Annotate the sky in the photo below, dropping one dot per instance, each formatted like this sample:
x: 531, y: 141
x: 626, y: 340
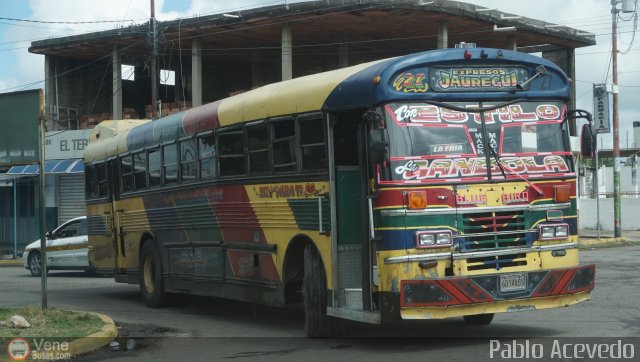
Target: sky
x: 22, y: 70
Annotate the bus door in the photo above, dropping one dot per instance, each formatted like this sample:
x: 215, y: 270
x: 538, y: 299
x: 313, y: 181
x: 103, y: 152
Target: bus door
x: 352, y: 289
x: 116, y: 215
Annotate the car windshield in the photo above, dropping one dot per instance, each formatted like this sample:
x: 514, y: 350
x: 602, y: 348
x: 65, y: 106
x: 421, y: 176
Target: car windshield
x: 434, y: 143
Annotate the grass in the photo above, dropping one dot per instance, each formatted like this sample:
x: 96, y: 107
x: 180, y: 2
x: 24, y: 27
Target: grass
x: 64, y: 325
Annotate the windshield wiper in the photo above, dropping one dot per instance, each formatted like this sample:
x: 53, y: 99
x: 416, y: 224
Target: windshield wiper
x: 512, y: 172
x: 495, y: 157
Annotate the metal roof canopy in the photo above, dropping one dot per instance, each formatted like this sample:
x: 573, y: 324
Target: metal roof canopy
x: 368, y: 26
x: 71, y: 165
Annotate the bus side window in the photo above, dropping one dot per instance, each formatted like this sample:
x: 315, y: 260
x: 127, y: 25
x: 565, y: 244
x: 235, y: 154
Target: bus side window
x: 231, y: 153
x: 103, y: 181
x: 312, y: 144
x: 140, y: 170
x: 154, y: 168
x: 188, y: 169
x: 283, y: 145
x: 258, y: 146
x: 91, y: 182
x: 126, y: 172
x: 207, y: 159
x: 170, y: 163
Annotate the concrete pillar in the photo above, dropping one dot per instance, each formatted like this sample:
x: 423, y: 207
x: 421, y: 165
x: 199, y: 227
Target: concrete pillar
x: 177, y: 89
x: 255, y: 70
x: 443, y: 36
x: 117, y: 85
x: 196, y: 72
x: 343, y: 55
x: 287, y: 53
x: 512, y: 43
x: 49, y: 90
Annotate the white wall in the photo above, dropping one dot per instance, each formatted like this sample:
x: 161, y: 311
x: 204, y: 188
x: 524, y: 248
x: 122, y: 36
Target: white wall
x: 626, y: 184
x: 587, y: 213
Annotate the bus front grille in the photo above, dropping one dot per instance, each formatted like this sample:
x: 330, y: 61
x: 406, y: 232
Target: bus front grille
x: 496, y: 262
x: 493, y: 230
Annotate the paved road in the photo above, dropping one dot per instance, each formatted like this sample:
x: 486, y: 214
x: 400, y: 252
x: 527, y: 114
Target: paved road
x: 215, y: 329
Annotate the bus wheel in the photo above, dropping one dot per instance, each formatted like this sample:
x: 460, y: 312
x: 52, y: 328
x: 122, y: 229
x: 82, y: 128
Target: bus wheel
x: 314, y: 291
x: 151, y: 280
x: 479, y: 319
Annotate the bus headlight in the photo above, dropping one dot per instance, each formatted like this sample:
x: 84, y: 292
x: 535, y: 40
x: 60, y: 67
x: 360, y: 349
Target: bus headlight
x: 556, y: 231
x: 547, y: 232
x: 562, y: 231
x: 425, y: 239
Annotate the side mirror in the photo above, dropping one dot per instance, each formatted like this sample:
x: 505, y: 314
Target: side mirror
x: 49, y: 235
x: 377, y: 143
x: 588, y: 141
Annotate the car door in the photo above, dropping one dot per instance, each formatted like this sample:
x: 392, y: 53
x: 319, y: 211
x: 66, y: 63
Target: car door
x: 66, y: 239
x: 80, y: 250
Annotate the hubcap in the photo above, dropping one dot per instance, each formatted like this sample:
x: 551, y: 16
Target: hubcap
x: 35, y: 263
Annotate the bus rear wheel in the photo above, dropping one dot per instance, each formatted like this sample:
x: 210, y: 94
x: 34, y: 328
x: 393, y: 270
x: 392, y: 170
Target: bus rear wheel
x: 151, y: 279
x: 314, y: 291
x: 479, y: 319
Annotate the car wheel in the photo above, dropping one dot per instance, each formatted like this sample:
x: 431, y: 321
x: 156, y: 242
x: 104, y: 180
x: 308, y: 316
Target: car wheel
x: 479, y: 319
x: 35, y: 263
x: 151, y: 279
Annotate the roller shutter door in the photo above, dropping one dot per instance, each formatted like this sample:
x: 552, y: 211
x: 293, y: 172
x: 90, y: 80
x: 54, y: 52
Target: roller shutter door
x: 70, y: 197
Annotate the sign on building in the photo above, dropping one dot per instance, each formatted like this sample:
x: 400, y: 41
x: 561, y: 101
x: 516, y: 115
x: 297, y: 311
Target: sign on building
x: 19, y: 120
x: 66, y: 144
x: 601, y: 108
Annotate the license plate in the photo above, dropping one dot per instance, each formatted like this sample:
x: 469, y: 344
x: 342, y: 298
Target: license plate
x: 513, y: 282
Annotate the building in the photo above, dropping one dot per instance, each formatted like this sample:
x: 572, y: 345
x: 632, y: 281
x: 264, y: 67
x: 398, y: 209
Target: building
x: 106, y: 75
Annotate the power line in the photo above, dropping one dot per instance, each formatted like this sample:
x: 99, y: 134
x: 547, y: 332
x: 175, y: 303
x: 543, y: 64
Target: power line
x: 68, y: 22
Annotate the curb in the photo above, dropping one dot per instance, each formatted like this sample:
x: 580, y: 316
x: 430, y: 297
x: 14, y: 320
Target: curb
x: 603, y: 241
x: 10, y: 262
x: 90, y: 343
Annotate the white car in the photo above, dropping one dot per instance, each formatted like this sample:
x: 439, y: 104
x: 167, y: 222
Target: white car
x: 66, y: 249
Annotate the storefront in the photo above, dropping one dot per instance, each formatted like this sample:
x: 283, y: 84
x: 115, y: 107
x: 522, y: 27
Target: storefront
x: 64, y: 187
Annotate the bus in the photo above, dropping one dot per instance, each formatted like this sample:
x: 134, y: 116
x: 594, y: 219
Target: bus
x: 433, y: 185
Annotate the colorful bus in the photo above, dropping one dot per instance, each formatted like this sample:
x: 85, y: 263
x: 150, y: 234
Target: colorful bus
x: 433, y: 185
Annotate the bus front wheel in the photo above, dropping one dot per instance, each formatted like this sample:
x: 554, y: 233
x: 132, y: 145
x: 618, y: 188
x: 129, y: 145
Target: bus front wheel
x: 314, y: 291
x: 479, y: 319
x: 151, y: 279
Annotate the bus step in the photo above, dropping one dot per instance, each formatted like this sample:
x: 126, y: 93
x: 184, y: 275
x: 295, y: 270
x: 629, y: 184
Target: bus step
x: 355, y: 314
x: 351, y: 298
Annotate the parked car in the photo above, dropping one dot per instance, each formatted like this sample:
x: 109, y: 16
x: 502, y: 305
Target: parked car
x: 66, y: 249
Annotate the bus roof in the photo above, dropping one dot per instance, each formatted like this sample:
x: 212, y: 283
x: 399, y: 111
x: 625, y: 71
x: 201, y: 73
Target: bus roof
x: 342, y: 89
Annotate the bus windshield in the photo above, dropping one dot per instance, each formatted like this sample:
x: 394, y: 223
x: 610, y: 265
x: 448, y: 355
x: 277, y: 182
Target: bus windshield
x: 430, y: 143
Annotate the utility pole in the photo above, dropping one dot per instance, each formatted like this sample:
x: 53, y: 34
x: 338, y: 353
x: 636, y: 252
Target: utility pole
x: 616, y: 129
x: 41, y: 210
x: 153, y: 32
x: 617, y: 209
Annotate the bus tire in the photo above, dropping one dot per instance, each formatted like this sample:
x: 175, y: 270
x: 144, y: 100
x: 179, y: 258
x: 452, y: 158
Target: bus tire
x: 314, y: 291
x: 151, y: 279
x: 479, y: 319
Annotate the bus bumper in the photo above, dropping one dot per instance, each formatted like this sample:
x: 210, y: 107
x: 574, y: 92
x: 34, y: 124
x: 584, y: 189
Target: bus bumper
x: 496, y: 293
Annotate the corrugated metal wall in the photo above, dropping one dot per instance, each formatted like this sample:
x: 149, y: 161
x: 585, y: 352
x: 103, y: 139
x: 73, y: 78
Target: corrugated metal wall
x: 70, y: 197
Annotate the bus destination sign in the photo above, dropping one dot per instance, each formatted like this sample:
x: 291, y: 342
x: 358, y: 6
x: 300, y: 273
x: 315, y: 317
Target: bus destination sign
x: 467, y: 79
